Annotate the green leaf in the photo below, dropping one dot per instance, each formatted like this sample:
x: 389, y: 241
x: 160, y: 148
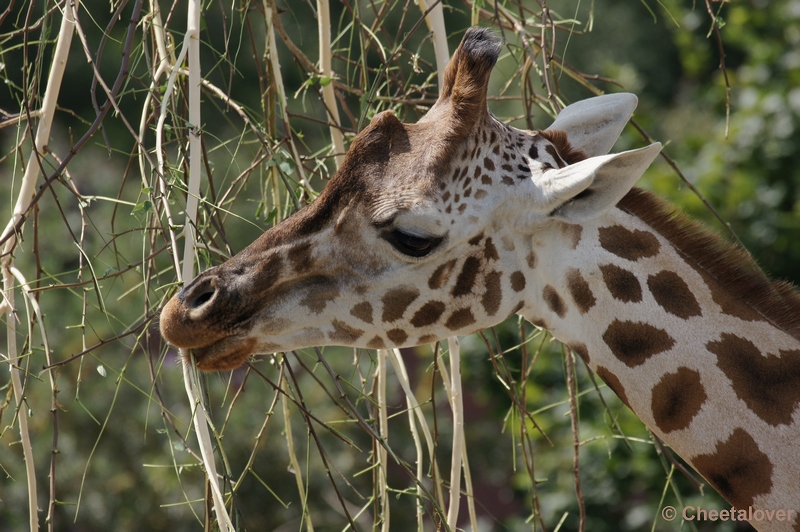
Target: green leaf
x: 145, y: 206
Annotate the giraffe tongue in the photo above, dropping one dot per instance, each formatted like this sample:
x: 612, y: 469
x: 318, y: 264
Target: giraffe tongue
x: 223, y: 355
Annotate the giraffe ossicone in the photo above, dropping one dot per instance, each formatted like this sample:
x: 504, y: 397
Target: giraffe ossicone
x: 452, y: 224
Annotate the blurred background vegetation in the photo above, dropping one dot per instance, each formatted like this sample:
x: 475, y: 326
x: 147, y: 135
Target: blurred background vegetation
x: 112, y: 437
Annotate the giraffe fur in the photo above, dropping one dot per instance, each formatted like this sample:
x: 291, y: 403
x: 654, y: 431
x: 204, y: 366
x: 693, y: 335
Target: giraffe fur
x: 450, y: 225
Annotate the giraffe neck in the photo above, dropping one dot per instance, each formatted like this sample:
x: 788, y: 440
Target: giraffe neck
x: 709, y: 374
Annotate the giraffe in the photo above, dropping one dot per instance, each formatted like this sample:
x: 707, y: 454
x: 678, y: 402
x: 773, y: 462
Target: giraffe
x: 450, y: 225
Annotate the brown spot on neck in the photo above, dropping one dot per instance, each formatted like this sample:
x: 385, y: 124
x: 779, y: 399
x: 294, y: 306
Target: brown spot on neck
x: 517, y: 279
x: 613, y: 383
x: 622, y: 284
x: 673, y: 294
x: 634, y: 342
x: 554, y: 301
x: 737, y: 468
x: 677, y: 398
x: 767, y: 384
x: 581, y: 350
x: 573, y: 233
x: 492, y: 293
x: 630, y: 245
x: 580, y: 291
x: 738, y: 283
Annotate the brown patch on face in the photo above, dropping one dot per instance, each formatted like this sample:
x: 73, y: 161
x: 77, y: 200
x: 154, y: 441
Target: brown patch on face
x: 737, y: 469
x: 489, y: 251
x: 581, y: 350
x: 517, y: 281
x: 677, y: 398
x: 622, y: 284
x: 488, y: 164
x: 475, y: 240
x: 517, y: 307
x: 460, y: 319
x: 398, y: 336
x: 492, y: 294
x: 531, y: 260
x: 580, y: 291
x: 554, y: 301
x: 362, y: 311
x: 613, y: 382
x: 769, y: 385
x: 466, y: 277
x: 572, y: 232
x: 300, y: 257
x: 396, y: 301
x: 428, y: 339
x: 344, y: 333
x: 673, y: 294
x: 634, y: 342
x: 441, y: 275
x: 376, y: 343
x: 480, y: 194
x: 428, y: 314
x: 317, y: 299
x: 630, y: 245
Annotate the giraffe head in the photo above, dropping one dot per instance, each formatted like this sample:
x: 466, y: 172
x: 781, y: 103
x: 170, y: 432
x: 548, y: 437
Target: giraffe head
x: 423, y: 233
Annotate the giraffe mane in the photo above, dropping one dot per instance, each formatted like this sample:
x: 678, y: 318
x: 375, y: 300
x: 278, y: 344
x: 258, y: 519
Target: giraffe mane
x: 731, y: 266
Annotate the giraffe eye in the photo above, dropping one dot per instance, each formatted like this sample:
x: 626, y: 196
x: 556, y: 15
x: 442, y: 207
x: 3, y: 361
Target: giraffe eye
x: 411, y: 245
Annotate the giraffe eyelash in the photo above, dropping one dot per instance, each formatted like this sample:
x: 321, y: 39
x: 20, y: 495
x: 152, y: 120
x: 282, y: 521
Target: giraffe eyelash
x: 411, y: 245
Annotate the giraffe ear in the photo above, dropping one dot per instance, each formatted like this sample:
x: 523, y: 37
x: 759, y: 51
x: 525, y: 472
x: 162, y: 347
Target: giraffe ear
x: 593, y: 125
x: 585, y: 190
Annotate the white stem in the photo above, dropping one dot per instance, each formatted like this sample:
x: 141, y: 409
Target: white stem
x: 415, y: 410
x: 282, y: 102
x: 435, y: 22
x: 190, y: 377
x: 298, y: 475
x: 328, y: 96
x: 45, y: 122
x: 46, y: 116
x: 32, y: 303
x: 22, y: 410
x: 383, y: 425
x: 457, y: 407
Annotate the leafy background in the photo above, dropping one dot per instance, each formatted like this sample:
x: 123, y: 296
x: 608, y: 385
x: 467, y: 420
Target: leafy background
x: 110, y: 423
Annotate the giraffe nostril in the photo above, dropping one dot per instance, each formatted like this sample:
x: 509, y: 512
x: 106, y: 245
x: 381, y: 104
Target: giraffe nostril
x: 202, y: 299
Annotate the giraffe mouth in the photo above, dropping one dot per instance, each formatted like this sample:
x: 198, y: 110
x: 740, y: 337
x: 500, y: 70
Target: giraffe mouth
x: 225, y: 354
